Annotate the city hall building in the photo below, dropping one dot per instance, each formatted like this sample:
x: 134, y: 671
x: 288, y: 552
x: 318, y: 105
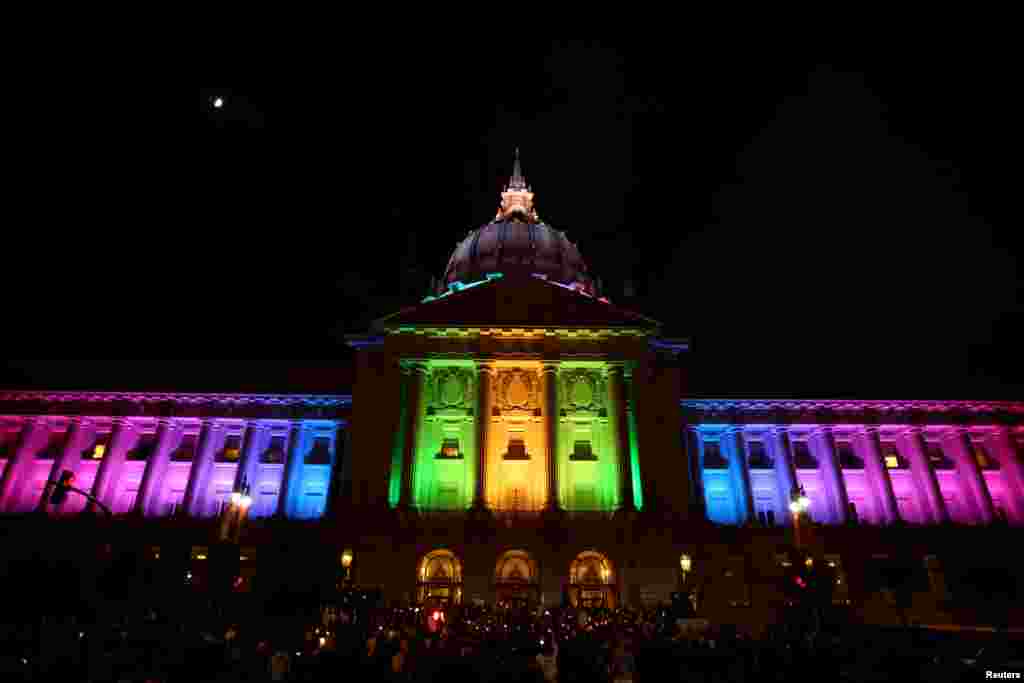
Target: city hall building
x: 516, y: 436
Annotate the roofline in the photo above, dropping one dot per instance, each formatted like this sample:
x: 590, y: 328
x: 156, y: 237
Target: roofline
x: 178, y: 397
x: 903, y: 405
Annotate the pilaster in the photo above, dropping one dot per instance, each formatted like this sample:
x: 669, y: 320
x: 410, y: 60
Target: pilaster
x: 618, y: 399
x: 828, y: 461
x: 417, y: 377
x: 485, y: 373
x: 785, y: 474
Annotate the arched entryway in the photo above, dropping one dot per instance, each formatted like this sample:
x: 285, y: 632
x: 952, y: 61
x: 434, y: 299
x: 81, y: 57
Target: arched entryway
x: 516, y: 579
x: 439, y: 579
x: 592, y: 581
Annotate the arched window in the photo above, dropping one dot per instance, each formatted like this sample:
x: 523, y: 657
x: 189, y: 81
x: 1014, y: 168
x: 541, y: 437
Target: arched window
x: 592, y: 580
x: 439, y: 578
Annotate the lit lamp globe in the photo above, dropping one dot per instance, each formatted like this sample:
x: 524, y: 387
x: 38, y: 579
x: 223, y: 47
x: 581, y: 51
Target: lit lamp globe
x: 236, y: 498
x: 244, y: 502
x: 685, y: 563
x: 346, y: 559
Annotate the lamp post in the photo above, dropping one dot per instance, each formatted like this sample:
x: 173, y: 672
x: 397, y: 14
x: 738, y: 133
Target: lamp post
x: 238, y: 510
x: 798, y: 505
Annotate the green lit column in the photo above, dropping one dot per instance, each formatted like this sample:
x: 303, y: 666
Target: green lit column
x: 551, y: 417
x: 417, y: 374
x: 618, y: 398
x: 485, y: 372
x: 634, y: 448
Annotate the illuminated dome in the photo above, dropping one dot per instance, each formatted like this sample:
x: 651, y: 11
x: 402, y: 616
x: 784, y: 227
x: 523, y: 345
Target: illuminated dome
x: 517, y: 242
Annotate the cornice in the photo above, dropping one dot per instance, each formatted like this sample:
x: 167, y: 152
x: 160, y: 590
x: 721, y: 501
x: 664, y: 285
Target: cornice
x: 853, y: 407
x: 306, y: 400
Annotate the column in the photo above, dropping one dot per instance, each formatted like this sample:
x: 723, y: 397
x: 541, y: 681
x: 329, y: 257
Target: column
x: 619, y: 399
x: 291, y: 480
x: 198, y: 476
x: 153, y: 477
x: 696, y: 473
x: 254, y: 442
x: 924, y: 475
x: 71, y: 445
x: 112, y: 467
x: 785, y: 474
x: 34, y: 431
x: 834, y: 484
x: 739, y: 468
x: 485, y: 372
x: 1012, y: 471
x: 972, y: 482
x: 417, y: 375
x: 881, y: 482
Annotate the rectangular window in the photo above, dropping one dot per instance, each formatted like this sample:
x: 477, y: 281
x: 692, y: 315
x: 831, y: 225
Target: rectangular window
x: 891, y: 456
x: 585, y: 497
x: 275, y: 452
x: 848, y: 459
x: 99, y: 449
x: 516, y: 450
x: 145, y: 447
x: 982, y: 457
x: 759, y: 459
x: 937, y: 457
x: 53, y: 448
x: 200, y: 552
x: 186, y: 450
x: 581, y: 450
x: 802, y: 458
x: 320, y: 454
x: 713, y: 458
x: 232, y: 451
x: 449, y: 450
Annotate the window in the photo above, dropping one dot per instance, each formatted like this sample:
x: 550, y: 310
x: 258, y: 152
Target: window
x: 232, y: 450
x: 892, y: 458
x: 516, y: 450
x: 983, y: 458
x: 848, y: 459
x: 581, y: 450
x: 320, y: 454
x: 274, y: 454
x: 99, y: 449
x: 449, y: 450
x: 144, y: 448
x: 53, y: 448
x: 759, y: 459
x: 713, y: 458
x: 937, y: 457
x: 802, y: 458
x: 186, y: 450
x: 200, y: 552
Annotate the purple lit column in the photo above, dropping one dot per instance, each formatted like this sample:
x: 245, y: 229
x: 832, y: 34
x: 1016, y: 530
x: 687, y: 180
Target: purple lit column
x: 255, y: 439
x: 972, y: 482
x: 199, y: 474
x: 924, y: 475
x: 149, y: 501
x: 881, y: 483
x: 112, y: 467
x: 832, y: 475
x: 739, y: 466
x: 292, y: 478
x: 785, y: 474
x: 73, y: 445
x: 618, y: 400
x: 484, y: 375
x: 34, y: 432
x: 1013, y: 473
x: 415, y: 375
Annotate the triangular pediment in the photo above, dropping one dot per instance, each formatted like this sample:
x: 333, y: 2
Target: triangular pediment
x: 516, y: 302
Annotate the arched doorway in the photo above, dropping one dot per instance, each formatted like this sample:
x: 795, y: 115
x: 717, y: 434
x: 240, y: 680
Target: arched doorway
x: 439, y: 579
x: 516, y: 580
x: 592, y: 581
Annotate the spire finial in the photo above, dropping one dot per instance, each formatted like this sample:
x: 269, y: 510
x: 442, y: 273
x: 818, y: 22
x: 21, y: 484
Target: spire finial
x: 517, y: 197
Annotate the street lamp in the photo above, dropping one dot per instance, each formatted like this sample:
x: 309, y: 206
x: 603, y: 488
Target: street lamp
x: 238, y: 508
x: 798, y: 505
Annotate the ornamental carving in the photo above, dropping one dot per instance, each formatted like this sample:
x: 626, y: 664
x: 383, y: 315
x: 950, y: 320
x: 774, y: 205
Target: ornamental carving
x: 451, y: 388
x: 583, y: 390
x: 516, y: 390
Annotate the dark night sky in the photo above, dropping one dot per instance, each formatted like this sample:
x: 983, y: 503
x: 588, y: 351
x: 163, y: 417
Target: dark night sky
x: 817, y: 229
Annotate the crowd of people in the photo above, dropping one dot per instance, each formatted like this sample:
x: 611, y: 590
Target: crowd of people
x: 420, y: 644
